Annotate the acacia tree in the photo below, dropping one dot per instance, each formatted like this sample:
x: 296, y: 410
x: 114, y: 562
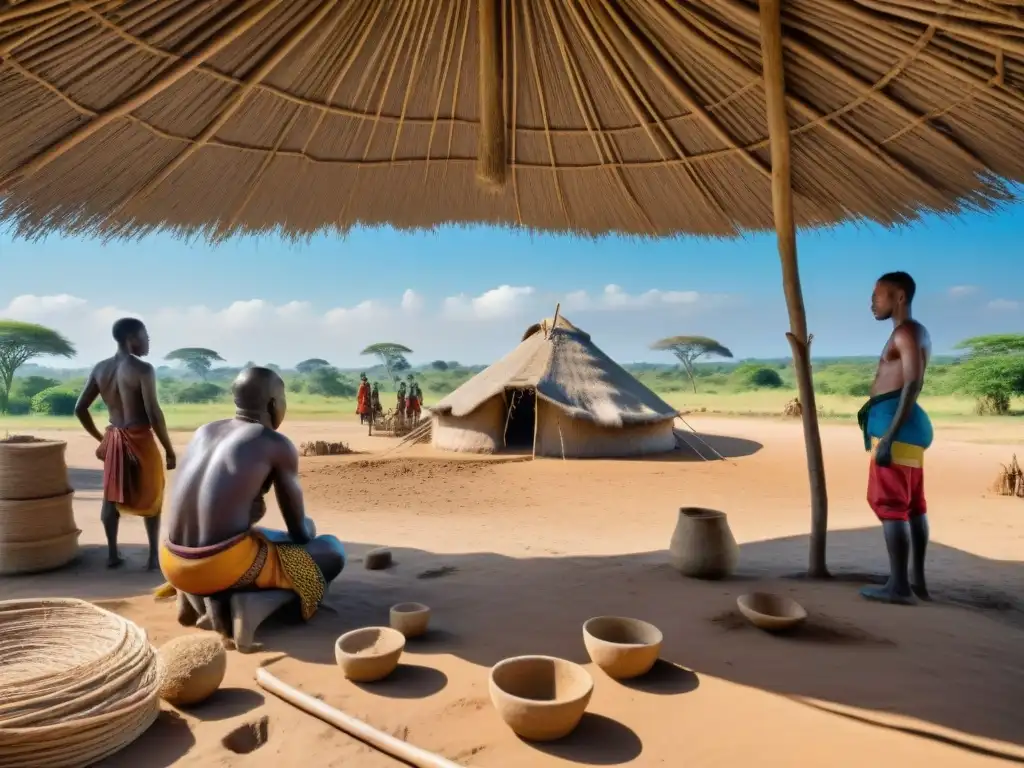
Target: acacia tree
x: 308, y: 366
x: 198, y: 360
x: 391, y: 356
x: 688, y: 349
x: 19, y: 343
x: 993, y: 371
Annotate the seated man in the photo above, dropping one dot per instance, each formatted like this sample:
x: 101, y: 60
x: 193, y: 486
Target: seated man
x: 211, y: 546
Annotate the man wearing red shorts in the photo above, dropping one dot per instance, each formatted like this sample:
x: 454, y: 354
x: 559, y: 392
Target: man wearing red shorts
x: 897, y: 432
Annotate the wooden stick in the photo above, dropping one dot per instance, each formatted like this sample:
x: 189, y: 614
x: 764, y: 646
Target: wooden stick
x: 785, y: 229
x: 554, y: 319
x: 389, y: 745
x: 491, y: 161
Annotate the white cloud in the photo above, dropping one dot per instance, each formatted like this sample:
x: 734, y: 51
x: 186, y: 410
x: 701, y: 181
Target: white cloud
x: 1004, y: 305
x: 962, y: 291
x: 464, y: 327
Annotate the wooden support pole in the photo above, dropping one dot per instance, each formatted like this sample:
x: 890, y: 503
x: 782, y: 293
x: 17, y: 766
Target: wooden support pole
x: 785, y: 228
x: 491, y: 158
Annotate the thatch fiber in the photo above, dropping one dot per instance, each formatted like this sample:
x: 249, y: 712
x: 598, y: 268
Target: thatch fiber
x: 77, y: 683
x: 640, y: 116
x: 324, y: 448
x: 31, y: 468
x: 585, y: 403
x: 1010, y: 481
x: 37, y: 520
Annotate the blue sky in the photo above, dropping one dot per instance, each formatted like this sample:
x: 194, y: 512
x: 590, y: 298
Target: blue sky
x: 466, y: 294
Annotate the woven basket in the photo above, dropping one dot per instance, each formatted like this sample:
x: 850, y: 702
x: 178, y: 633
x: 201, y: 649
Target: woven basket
x: 32, y: 468
x: 28, y: 520
x: 77, y: 683
x: 19, y: 558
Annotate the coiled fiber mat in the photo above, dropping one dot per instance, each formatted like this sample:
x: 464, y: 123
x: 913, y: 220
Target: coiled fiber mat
x: 77, y: 683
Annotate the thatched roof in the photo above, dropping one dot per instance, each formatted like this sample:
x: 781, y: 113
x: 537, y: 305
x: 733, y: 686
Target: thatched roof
x: 568, y: 370
x: 639, y: 116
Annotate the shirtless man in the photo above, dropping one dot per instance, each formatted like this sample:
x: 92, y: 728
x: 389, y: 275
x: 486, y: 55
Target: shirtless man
x: 133, y: 469
x: 897, y: 431
x: 211, y: 546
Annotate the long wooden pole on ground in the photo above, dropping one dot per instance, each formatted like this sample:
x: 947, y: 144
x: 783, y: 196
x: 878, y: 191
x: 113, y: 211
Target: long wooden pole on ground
x: 785, y: 228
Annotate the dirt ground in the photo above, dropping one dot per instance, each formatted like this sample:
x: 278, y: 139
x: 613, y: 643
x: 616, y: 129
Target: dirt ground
x: 513, y: 556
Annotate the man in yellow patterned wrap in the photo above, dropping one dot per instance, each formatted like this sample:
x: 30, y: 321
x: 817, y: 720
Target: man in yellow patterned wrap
x: 212, y: 547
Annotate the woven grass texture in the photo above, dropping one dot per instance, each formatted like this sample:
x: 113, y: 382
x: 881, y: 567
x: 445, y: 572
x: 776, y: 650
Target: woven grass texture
x: 637, y: 116
x: 77, y: 683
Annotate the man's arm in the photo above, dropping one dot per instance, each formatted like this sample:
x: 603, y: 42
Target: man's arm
x: 147, y: 383
x: 85, y: 401
x: 289, y: 493
x: 912, y: 360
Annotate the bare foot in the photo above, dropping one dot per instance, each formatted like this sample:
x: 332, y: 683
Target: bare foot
x: 115, y: 562
x: 887, y: 594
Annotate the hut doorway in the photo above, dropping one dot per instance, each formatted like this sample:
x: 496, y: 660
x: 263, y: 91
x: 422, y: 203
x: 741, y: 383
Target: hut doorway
x: 520, y: 416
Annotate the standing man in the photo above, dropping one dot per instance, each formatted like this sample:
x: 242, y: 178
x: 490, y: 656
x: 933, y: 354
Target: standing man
x: 400, y: 409
x: 363, y: 399
x: 133, y: 469
x: 897, y: 432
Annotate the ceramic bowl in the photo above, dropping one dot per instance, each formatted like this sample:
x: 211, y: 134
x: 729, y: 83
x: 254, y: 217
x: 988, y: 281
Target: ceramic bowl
x: 540, y: 698
x: 621, y: 647
x: 772, y: 613
x: 369, y: 654
x: 411, y: 619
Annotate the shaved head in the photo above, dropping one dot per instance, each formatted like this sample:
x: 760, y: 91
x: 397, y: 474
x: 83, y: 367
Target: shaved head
x: 260, y: 392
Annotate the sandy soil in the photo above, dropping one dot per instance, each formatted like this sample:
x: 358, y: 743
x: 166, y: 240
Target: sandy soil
x: 513, y: 556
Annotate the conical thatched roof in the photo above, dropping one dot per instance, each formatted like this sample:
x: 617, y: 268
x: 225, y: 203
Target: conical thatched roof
x: 640, y: 116
x: 567, y: 369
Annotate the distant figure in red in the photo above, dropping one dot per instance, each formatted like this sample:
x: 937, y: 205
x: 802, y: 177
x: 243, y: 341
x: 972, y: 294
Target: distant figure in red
x: 363, y: 399
x: 413, y: 400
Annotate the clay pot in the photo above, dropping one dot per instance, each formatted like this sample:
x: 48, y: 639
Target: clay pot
x: 540, y: 698
x: 772, y: 613
x: 702, y: 545
x: 623, y: 648
x: 411, y: 619
x: 369, y: 654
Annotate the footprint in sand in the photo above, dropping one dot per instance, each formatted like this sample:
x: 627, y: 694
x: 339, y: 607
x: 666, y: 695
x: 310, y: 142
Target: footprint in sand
x: 248, y: 737
x: 437, y: 573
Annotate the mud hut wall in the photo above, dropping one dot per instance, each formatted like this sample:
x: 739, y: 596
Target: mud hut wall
x: 481, y: 431
x: 585, y: 439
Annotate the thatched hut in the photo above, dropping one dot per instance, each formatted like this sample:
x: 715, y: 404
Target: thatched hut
x: 558, y: 394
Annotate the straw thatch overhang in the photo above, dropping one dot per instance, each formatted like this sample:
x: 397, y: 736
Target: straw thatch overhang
x: 630, y: 116
x: 646, y: 117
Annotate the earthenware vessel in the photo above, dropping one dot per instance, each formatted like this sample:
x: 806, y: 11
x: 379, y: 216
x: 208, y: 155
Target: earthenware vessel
x: 369, y: 654
x: 702, y: 545
x: 621, y: 647
x: 540, y: 698
x: 411, y: 619
x: 772, y: 613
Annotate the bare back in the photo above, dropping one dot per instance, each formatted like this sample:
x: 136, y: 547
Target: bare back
x: 120, y: 386
x: 220, y: 483
x: 911, y: 339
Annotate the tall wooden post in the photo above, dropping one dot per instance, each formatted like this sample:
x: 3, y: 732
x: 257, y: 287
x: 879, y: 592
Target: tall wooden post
x: 785, y: 228
x: 491, y: 159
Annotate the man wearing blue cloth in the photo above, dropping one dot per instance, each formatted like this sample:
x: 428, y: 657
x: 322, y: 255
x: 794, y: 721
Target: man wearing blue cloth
x: 897, y: 432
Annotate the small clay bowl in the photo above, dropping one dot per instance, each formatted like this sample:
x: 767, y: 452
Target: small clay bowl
x: 411, y: 619
x: 369, y: 654
x: 622, y: 648
x: 772, y: 613
x: 540, y: 698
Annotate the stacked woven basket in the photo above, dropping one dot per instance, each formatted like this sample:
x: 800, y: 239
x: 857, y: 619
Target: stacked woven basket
x: 77, y: 683
x: 37, y: 521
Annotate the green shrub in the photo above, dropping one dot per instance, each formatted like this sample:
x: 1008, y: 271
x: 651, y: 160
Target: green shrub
x: 200, y: 392
x: 328, y: 382
x: 753, y: 376
x: 859, y: 389
x: 19, y: 405
x: 30, y: 386
x: 296, y: 385
x: 55, y: 401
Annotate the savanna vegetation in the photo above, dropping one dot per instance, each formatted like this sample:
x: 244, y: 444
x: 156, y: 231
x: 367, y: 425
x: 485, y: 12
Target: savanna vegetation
x: 986, y: 380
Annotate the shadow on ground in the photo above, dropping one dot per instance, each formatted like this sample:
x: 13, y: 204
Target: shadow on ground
x: 902, y: 660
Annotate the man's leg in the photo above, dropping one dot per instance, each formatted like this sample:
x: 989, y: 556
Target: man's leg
x: 153, y: 535
x: 328, y: 554
x: 919, y: 534
x: 110, y: 518
x: 889, y: 498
